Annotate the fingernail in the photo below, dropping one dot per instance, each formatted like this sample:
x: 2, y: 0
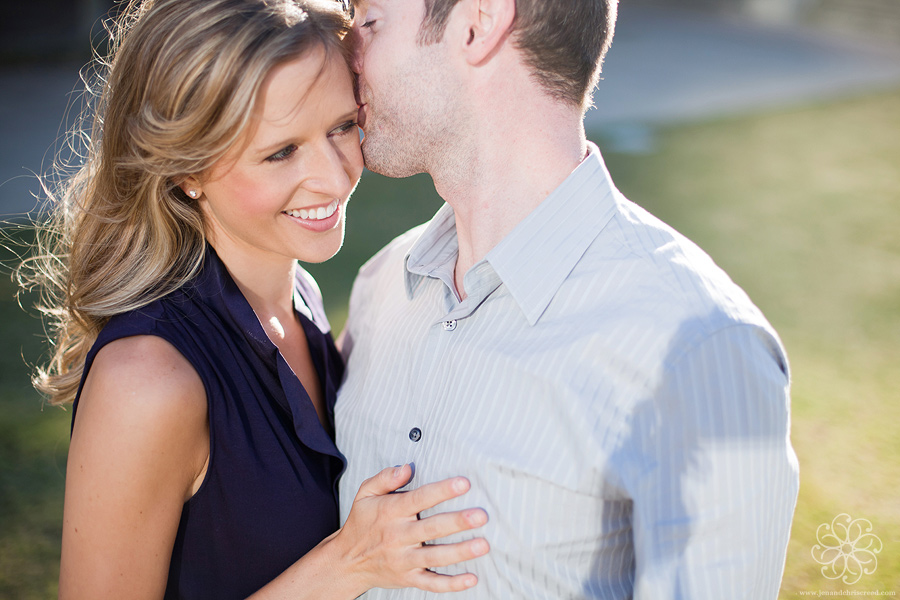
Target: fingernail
x: 470, y: 581
x: 476, y: 517
x: 479, y: 547
x: 460, y: 485
x: 397, y: 471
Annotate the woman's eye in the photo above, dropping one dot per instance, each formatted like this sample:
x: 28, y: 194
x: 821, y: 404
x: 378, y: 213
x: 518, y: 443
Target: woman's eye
x: 368, y: 24
x: 282, y: 154
x: 344, y: 128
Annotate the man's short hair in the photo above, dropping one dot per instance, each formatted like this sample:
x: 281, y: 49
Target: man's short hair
x: 563, y: 41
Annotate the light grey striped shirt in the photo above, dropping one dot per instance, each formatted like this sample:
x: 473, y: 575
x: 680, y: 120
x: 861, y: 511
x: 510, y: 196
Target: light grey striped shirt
x: 618, y: 403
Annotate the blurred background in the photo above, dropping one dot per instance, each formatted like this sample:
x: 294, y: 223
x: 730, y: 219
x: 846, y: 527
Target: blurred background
x: 768, y: 131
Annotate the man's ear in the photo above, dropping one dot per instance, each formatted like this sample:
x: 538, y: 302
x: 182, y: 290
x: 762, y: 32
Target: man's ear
x: 490, y: 22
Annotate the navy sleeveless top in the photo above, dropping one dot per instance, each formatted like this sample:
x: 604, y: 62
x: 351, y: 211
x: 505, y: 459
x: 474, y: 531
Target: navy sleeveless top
x: 270, y: 494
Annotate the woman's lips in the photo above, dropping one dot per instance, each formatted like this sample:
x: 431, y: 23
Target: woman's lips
x: 314, y: 214
x: 320, y: 219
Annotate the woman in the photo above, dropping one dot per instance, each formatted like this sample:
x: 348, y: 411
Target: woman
x: 202, y: 462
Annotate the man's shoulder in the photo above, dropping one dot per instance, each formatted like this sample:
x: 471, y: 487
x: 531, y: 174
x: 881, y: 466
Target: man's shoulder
x: 660, y: 278
x: 393, y: 253
x: 677, y: 268
x: 378, y: 286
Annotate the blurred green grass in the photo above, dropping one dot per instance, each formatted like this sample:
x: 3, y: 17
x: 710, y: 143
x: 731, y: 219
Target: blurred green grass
x: 33, y: 445
x: 801, y: 207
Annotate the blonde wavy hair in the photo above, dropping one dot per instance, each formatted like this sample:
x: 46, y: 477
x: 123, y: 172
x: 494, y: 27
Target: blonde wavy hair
x: 176, y: 93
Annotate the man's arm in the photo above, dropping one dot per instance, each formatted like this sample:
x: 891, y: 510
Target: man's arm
x: 715, y: 480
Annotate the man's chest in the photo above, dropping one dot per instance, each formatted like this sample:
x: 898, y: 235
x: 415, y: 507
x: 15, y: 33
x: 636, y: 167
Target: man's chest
x: 490, y: 390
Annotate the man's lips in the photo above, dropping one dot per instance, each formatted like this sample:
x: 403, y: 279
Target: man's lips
x: 357, y: 93
x: 361, y: 116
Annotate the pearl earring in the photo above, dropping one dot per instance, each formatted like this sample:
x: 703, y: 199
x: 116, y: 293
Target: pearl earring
x: 192, y: 193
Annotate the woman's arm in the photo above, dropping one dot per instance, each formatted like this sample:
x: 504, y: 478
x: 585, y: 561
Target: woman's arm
x: 139, y: 450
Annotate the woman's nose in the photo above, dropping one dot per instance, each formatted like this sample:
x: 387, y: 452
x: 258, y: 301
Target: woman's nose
x: 329, y: 173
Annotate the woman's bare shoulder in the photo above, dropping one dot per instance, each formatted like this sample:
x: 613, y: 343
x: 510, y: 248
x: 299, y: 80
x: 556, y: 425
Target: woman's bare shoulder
x: 145, y: 372
x: 143, y: 398
x: 140, y: 446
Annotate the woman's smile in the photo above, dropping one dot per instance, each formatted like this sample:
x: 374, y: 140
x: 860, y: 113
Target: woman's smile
x: 317, y: 218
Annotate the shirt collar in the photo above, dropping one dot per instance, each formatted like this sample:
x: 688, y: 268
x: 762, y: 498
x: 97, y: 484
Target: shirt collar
x: 537, y: 256
x: 434, y: 253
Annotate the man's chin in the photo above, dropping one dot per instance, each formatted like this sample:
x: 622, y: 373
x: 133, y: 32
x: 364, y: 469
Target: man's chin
x: 385, y: 161
x: 370, y: 158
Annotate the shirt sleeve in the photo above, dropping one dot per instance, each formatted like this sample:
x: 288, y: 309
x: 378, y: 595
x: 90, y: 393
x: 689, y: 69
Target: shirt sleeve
x: 714, y: 478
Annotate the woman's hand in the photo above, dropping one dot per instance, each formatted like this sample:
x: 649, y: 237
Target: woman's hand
x: 383, y: 541
x: 382, y: 544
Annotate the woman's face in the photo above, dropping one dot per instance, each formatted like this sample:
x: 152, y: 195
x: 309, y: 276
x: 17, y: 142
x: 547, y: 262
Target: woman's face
x: 282, y: 192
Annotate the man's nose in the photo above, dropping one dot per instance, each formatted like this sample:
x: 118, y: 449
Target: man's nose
x: 356, y: 49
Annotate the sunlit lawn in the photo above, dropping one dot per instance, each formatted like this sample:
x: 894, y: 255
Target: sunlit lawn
x: 801, y: 207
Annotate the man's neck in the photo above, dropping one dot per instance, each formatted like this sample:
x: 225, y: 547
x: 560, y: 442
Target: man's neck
x: 511, y: 171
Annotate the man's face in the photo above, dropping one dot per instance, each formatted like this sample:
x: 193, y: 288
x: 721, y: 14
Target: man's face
x: 404, y: 89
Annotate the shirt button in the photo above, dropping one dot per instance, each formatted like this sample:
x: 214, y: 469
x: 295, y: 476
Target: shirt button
x: 450, y: 325
x: 415, y: 434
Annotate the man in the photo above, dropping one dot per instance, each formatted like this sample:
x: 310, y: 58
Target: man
x: 619, y: 405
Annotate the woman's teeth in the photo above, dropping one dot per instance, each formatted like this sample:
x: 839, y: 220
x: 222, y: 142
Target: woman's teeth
x: 314, y: 214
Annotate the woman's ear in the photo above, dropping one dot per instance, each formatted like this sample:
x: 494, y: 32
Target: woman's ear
x: 490, y: 22
x: 191, y: 186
